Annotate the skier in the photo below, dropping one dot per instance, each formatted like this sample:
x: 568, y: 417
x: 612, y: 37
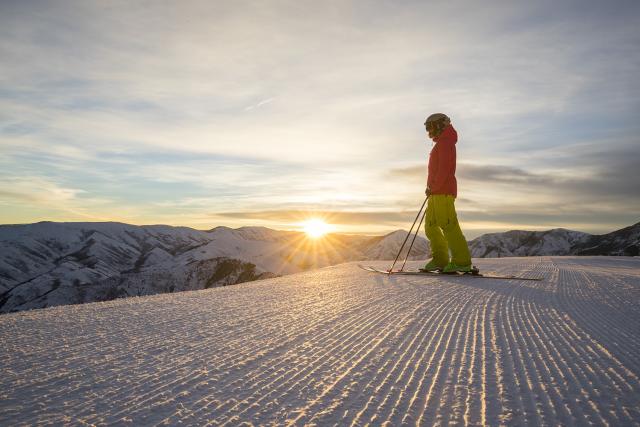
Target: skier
x: 441, y: 222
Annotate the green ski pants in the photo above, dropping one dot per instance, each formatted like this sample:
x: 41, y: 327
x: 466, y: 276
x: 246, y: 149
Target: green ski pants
x: 444, y: 233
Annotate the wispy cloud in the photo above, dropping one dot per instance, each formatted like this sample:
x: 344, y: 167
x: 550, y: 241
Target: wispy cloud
x: 26, y: 197
x: 259, y: 104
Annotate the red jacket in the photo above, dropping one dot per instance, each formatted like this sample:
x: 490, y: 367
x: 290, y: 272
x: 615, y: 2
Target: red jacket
x: 442, y: 163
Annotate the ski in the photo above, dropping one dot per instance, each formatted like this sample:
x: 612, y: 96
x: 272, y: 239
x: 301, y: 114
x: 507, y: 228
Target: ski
x: 475, y: 273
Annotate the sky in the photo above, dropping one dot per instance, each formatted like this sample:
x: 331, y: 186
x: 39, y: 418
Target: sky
x: 266, y: 113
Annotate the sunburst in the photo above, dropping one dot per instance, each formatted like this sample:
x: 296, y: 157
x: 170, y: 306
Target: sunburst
x: 316, y: 227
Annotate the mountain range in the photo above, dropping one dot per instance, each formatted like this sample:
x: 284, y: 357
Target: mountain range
x: 47, y: 263
x: 558, y: 241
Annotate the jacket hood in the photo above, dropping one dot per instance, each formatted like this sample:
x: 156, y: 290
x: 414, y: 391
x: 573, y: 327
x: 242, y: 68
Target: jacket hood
x: 448, y: 136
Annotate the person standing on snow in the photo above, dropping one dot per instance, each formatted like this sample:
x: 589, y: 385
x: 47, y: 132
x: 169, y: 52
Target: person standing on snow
x: 441, y: 222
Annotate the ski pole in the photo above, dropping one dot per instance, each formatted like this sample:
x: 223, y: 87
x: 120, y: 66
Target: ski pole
x: 413, y: 240
x: 410, y: 231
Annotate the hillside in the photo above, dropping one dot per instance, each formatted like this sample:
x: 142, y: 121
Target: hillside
x: 558, y: 241
x: 48, y: 264
x: 342, y: 346
x: 526, y: 243
x: 621, y: 242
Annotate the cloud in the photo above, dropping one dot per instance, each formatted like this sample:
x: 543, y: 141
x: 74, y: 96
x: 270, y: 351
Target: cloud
x: 36, y: 189
x: 594, y: 186
x: 337, y: 217
x: 591, y: 170
x: 478, y: 173
x: 247, y: 105
x: 503, y: 174
x: 28, y: 198
x: 259, y: 104
x: 409, y: 172
x: 333, y: 87
x: 347, y: 221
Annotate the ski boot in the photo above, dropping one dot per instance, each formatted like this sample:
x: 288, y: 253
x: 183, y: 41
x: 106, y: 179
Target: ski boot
x: 453, y: 268
x: 431, y: 266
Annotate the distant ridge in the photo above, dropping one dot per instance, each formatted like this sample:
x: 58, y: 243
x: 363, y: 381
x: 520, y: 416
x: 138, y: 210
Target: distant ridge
x: 558, y: 241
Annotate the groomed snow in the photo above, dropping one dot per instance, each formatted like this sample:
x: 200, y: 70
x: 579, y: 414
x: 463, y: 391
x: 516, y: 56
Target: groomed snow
x: 341, y: 345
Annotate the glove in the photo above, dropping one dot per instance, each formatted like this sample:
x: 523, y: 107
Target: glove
x: 427, y: 192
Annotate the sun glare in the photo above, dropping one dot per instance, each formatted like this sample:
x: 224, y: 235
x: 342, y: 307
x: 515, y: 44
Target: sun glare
x: 316, y: 228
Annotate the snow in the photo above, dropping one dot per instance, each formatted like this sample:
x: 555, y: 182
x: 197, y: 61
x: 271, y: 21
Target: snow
x: 48, y: 263
x: 342, y: 346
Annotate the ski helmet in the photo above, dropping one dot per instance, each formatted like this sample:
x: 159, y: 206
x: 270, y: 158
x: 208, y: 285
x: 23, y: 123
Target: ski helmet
x: 436, y: 123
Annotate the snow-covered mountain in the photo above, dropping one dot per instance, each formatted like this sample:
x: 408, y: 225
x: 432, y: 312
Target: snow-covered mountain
x: 556, y: 242
x: 526, y: 243
x: 387, y: 247
x: 48, y: 263
x: 621, y: 242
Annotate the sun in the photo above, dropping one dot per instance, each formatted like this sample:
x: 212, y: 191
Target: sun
x: 316, y: 227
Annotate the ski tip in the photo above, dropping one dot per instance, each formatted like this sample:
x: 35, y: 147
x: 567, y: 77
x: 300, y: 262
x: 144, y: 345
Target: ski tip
x: 374, y: 270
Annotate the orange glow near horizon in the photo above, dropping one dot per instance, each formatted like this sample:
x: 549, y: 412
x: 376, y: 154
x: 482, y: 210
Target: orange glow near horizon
x: 304, y: 252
